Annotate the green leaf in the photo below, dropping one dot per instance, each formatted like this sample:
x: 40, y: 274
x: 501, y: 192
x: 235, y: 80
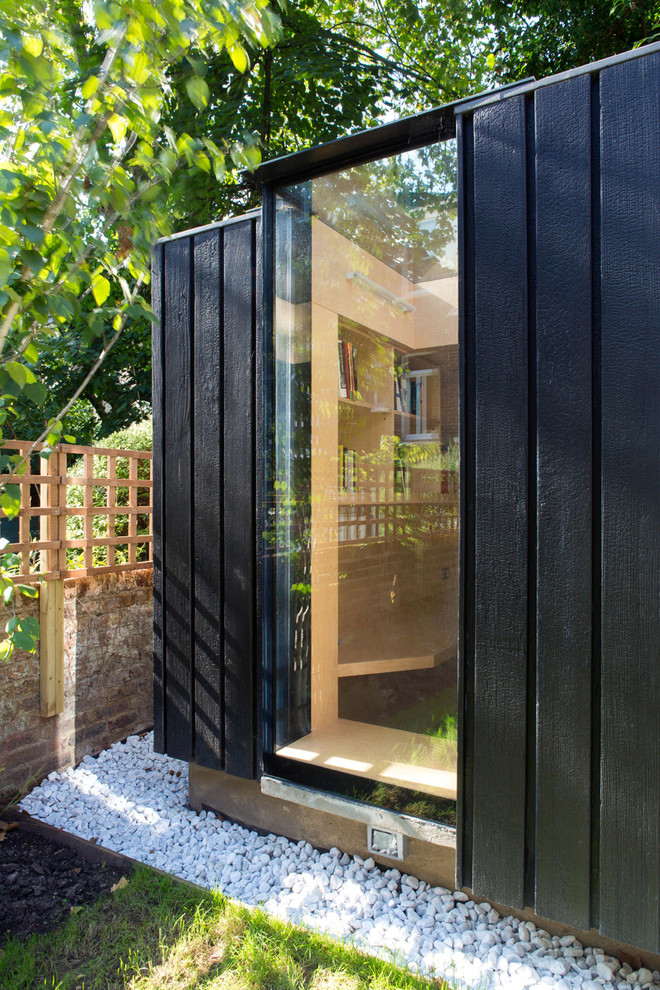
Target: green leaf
x: 6, y: 649
x: 33, y: 234
x: 198, y: 92
x: 28, y: 590
x: 102, y: 17
x: 17, y: 372
x: 202, y: 162
x: 23, y: 641
x: 30, y: 625
x: 32, y: 259
x: 118, y: 125
x: 36, y: 392
x: 139, y: 70
x: 6, y: 266
x: 12, y: 624
x: 10, y: 501
x: 89, y: 87
x: 34, y: 46
x: 8, y: 594
x: 31, y: 353
x: 239, y: 58
x: 100, y: 289
x: 69, y: 438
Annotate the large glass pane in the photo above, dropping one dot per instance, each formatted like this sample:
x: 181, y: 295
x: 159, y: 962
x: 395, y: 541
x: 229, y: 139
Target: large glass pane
x: 366, y: 482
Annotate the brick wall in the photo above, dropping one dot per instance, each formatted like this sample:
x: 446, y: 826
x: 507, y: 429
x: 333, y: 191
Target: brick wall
x: 107, y: 679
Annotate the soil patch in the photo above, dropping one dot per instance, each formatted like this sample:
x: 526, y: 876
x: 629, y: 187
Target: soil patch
x: 42, y: 882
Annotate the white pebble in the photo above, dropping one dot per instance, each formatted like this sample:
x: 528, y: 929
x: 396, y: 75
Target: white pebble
x: 132, y: 801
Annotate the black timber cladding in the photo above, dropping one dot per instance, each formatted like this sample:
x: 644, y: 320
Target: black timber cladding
x: 560, y: 638
x: 207, y: 292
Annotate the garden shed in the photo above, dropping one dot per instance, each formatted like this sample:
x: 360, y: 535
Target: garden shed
x: 406, y: 531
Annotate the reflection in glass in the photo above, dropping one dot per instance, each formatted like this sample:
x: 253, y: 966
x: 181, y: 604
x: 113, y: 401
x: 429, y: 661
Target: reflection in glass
x: 366, y: 469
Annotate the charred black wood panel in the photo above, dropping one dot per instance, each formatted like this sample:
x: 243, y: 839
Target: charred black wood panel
x: 563, y: 501
x: 208, y: 498
x: 205, y: 496
x: 466, y: 551
x: 239, y: 316
x: 500, y: 560
x: 177, y: 507
x: 560, y: 264
x: 630, y: 276
x: 157, y: 496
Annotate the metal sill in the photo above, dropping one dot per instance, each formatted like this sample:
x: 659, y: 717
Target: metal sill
x: 357, y: 811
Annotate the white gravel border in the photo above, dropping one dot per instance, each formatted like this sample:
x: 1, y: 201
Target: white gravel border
x: 135, y: 802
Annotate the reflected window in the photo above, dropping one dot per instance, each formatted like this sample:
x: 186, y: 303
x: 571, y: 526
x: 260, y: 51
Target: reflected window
x: 366, y: 471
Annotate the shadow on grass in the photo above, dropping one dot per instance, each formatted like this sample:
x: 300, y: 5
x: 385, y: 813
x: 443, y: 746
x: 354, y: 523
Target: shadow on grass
x: 159, y: 933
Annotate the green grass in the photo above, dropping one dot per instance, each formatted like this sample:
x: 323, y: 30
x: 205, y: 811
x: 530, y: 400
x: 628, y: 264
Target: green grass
x: 158, y: 933
x: 407, y: 801
x: 434, y: 715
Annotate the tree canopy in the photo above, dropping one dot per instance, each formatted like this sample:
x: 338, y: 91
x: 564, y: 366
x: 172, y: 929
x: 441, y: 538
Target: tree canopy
x: 213, y: 106
x: 86, y: 157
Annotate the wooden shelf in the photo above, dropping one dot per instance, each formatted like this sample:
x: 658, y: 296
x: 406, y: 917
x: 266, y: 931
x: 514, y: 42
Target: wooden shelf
x: 360, y: 403
x: 356, y: 668
x: 392, y: 756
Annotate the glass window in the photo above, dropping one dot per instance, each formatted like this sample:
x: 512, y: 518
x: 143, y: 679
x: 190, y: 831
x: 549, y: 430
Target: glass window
x: 366, y: 472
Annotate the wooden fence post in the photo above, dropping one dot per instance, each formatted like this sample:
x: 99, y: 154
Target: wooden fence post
x: 51, y: 646
x: 51, y: 593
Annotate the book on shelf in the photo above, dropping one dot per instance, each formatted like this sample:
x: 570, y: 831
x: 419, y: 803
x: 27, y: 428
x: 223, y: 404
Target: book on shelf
x: 343, y: 387
x: 348, y: 379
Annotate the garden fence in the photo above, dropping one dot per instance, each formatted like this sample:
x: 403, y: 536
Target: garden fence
x: 108, y: 506
x: 94, y: 508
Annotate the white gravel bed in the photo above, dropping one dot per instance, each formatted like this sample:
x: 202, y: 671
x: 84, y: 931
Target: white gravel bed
x: 135, y: 802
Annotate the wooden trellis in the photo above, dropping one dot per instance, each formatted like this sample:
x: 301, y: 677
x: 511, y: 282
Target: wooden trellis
x: 45, y: 495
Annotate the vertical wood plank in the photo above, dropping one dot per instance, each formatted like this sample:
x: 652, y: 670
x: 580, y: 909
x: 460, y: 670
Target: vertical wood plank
x: 563, y: 596
x: 465, y: 658
x: 24, y: 525
x: 177, y: 509
x: 50, y: 492
x: 59, y: 497
x: 630, y: 661
x: 501, y: 485
x: 88, y: 503
x: 51, y: 647
x: 111, y: 502
x: 157, y: 496
x: 238, y: 507
x: 132, y: 502
x: 259, y: 452
x: 208, y: 440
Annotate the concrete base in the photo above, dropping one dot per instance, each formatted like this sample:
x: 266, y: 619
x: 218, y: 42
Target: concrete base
x: 244, y: 802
